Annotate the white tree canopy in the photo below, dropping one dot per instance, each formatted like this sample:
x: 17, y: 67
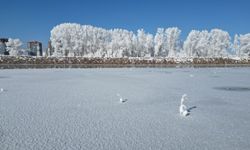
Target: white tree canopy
x: 215, y: 43
x: 196, y: 44
x: 219, y: 43
x: 172, y: 41
x: 14, y: 47
x: 242, y: 45
x: 71, y: 39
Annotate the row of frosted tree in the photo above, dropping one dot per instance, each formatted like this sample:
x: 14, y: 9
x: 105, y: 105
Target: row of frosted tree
x: 70, y: 39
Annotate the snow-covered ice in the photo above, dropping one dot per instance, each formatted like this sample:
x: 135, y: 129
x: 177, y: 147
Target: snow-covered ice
x: 79, y: 109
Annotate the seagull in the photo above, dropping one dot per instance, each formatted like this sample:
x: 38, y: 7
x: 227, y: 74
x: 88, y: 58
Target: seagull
x: 122, y: 100
x: 1, y: 90
x: 183, y: 108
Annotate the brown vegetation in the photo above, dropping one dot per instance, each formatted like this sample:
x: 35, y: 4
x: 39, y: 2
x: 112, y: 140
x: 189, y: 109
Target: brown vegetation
x: 27, y: 60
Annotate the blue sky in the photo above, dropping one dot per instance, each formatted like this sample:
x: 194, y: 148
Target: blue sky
x: 33, y: 19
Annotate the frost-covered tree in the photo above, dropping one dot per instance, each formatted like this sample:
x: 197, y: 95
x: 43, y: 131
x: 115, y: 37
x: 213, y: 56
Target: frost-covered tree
x: 172, y: 41
x: 121, y: 44
x: 197, y: 44
x: 141, y: 45
x: 207, y: 44
x: 70, y: 39
x: 150, y: 45
x: 219, y: 43
x: 159, y: 43
x: 167, y: 42
x: 14, y: 47
x: 242, y: 45
x: 145, y: 44
x: 236, y: 45
x: 67, y: 39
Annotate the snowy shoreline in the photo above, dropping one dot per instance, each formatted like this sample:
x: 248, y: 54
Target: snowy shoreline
x: 85, y: 62
x: 86, y: 66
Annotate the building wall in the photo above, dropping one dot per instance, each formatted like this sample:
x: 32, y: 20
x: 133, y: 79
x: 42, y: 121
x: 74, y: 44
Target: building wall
x: 50, y: 49
x: 35, y: 48
x: 3, y: 46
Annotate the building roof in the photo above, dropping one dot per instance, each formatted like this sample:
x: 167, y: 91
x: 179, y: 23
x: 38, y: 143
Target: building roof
x: 4, y: 39
x: 34, y: 41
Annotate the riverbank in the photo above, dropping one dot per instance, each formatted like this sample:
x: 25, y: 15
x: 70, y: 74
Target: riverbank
x: 84, y: 62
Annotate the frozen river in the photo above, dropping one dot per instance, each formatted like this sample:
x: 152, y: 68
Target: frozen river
x: 79, y: 109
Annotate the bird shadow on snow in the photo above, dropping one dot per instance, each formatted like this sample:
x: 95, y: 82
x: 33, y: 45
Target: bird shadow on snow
x: 3, y: 90
x: 123, y: 100
x: 190, y: 109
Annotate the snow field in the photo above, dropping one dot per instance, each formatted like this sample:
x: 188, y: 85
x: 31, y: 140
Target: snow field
x: 80, y: 109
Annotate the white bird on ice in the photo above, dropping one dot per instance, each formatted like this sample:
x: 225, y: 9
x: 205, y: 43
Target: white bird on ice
x: 1, y: 90
x: 122, y: 100
x: 183, y: 108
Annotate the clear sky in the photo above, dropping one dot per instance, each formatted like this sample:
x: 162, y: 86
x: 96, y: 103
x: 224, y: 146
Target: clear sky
x: 33, y: 19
